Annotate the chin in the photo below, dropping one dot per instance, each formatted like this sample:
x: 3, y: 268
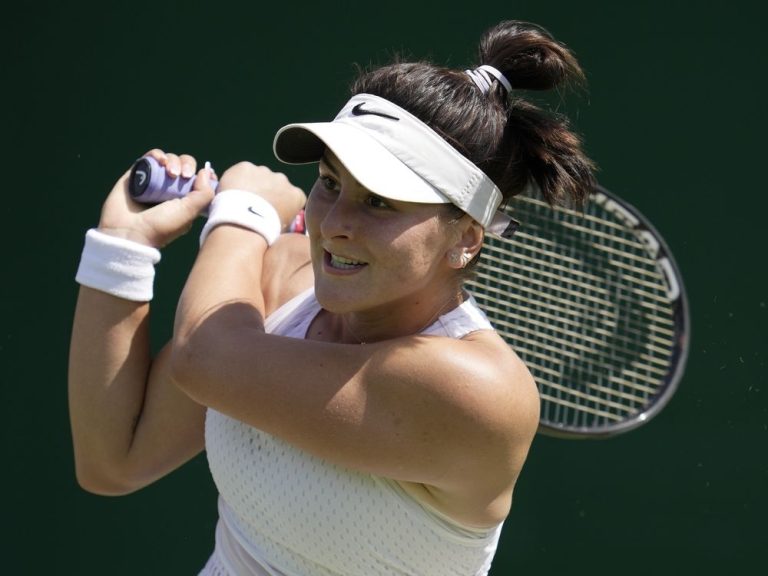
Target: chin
x: 333, y: 300
x: 336, y: 300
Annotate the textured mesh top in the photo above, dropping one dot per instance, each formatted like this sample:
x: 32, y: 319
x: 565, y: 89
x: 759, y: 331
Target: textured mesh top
x: 284, y: 512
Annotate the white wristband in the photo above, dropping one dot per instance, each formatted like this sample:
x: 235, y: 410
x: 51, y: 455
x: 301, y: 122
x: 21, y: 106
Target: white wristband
x: 118, y: 266
x: 244, y: 209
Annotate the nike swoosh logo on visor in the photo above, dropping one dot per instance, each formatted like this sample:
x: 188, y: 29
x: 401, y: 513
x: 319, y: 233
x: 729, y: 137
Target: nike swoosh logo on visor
x: 359, y: 111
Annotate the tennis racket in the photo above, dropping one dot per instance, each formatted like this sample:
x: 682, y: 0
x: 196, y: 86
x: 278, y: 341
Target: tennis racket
x: 591, y: 300
x: 594, y: 304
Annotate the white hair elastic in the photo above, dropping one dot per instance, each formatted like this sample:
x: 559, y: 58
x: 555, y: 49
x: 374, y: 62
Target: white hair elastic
x: 481, y: 76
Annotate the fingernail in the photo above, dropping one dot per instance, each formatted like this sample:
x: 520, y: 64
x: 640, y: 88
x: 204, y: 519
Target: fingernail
x: 174, y: 170
x: 187, y: 171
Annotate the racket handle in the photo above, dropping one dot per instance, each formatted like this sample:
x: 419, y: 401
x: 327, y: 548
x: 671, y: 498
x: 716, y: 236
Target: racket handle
x: 150, y: 183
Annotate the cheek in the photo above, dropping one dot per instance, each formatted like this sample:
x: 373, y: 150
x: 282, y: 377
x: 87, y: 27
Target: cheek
x: 415, y: 258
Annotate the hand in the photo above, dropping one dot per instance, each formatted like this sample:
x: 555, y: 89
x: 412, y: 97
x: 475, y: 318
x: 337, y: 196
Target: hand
x: 274, y: 187
x: 161, y: 224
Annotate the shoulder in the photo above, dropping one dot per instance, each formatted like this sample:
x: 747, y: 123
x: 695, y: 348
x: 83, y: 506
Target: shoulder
x: 489, y: 406
x: 490, y: 381
x: 475, y: 389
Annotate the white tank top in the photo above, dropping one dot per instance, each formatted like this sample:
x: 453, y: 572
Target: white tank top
x: 284, y: 512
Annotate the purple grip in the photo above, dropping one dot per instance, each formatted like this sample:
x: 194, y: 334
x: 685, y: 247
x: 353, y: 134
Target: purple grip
x: 150, y: 183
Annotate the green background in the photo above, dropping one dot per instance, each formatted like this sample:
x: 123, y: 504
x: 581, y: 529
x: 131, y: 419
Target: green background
x: 675, y: 117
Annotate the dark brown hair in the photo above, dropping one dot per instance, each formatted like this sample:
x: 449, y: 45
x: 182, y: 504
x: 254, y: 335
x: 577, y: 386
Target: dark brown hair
x: 513, y: 140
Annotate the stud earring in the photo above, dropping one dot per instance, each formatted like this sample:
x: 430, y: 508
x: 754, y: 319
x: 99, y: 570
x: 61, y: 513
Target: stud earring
x: 454, y: 257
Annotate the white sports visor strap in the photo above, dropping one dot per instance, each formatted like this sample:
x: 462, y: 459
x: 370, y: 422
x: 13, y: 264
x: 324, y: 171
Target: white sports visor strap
x: 397, y: 156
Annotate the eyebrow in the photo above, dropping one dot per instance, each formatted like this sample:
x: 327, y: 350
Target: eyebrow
x: 334, y: 166
x: 329, y: 164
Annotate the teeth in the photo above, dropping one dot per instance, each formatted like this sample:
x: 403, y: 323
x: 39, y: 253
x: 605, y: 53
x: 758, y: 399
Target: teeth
x: 344, y: 263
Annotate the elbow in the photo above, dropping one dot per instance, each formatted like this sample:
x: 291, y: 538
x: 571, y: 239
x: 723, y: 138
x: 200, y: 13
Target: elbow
x: 105, y: 474
x: 202, y: 351
x: 188, y: 366
x: 97, y: 481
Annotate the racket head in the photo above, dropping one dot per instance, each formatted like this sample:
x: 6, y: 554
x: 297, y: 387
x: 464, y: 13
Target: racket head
x: 593, y: 302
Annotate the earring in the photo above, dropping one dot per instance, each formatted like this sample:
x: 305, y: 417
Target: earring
x: 454, y: 258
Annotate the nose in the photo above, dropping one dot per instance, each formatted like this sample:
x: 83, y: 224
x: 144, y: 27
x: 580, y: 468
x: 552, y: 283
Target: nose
x: 333, y: 217
x: 339, y: 220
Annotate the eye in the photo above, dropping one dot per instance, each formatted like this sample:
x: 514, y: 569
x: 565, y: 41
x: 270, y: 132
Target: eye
x: 328, y: 182
x: 376, y: 201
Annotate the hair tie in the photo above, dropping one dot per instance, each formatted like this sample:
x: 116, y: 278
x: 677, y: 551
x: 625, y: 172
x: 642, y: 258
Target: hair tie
x: 481, y: 76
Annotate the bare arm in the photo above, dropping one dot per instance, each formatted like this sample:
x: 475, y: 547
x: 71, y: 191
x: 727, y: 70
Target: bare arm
x: 455, y: 416
x: 130, y: 424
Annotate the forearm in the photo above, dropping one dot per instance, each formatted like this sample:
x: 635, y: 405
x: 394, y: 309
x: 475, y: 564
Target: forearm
x: 130, y: 424
x: 108, y: 367
x: 247, y: 216
x: 226, y: 273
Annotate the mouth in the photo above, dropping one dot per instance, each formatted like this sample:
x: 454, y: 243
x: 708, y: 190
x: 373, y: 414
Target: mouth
x: 341, y: 263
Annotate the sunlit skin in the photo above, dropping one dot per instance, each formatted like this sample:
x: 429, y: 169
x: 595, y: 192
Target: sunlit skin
x: 381, y: 266
x: 406, y: 407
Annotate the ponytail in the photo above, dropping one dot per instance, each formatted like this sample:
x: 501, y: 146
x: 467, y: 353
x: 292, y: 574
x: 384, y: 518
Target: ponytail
x: 514, y: 141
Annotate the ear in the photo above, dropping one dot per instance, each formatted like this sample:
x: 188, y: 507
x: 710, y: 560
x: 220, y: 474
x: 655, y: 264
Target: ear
x: 467, y: 244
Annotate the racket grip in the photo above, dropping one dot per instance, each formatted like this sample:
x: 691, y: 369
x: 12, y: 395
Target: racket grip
x: 150, y: 183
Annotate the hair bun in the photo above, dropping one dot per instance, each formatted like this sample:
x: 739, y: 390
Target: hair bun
x: 529, y: 56
x: 514, y: 141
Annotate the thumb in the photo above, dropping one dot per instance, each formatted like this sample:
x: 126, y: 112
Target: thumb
x: 202, y: 192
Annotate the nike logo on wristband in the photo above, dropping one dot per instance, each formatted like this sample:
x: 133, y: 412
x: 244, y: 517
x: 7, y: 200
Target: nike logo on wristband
x: 359, y: 111
x: 252, y: 210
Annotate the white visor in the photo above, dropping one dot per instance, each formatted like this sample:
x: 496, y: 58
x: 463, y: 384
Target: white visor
x: 395, y: 155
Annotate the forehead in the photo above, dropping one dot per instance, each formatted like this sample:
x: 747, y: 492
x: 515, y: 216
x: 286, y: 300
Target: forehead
x: 331, y: 162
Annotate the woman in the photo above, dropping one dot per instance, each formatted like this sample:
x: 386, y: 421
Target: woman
x: 374, y: 423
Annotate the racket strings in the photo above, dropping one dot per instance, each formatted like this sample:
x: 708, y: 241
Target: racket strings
x: 584, y: 304
x: 561, y: 297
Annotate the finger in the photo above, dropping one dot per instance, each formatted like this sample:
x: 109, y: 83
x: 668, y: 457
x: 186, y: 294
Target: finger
x: 211, y: 173
x: 188, y: 165
x: 203, y: 180
x: 202, y: 192
x: 172, y: 165
x: 298, y: 196
x: 157, y: 154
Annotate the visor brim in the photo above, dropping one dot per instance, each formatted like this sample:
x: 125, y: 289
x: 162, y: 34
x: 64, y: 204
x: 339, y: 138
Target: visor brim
x: 369, y: 162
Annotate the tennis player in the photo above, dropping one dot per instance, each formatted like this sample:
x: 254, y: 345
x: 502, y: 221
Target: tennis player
x: 360, y: 415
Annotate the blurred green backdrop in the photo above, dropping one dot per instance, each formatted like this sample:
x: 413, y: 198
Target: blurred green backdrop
x: 675, y: 117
